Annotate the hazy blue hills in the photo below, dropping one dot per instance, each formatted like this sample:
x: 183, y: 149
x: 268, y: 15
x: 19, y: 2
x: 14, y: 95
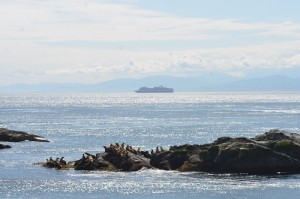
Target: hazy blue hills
x: 207, y: 83
x: 267, y: 84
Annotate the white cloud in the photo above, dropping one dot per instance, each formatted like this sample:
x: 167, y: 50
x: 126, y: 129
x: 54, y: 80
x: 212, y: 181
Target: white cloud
x: 94, y: 65
x: 27, y: 26
x: 88, y: 20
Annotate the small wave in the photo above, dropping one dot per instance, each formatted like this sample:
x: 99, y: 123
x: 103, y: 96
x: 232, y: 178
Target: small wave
x: 293, y: 111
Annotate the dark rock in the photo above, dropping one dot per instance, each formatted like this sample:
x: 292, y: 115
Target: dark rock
x: 270, y: 153
x: 7, y: 135
x: 128, y: 162
x: 58, y: 163
x: 222, y: 140
x: 160, y: 160
x: 164, y: 165
x: 169, y: 160
x: 178, y: 158
x: 288, y: 147
x: 186, y: 147
x: 276, y: 134
x: 273, y: 152
x: 3, y: 146
x: 115, y: 158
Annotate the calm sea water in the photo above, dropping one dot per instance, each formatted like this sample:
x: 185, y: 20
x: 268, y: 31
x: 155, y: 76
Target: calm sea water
x: 78, y: 123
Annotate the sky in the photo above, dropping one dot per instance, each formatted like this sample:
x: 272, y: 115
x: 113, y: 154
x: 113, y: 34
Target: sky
x: 90, y: 41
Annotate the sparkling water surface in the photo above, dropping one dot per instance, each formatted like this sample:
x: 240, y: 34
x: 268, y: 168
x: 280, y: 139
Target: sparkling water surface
x: 78, y: 123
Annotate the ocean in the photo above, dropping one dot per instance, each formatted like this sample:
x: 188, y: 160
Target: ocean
x: 78, y: 123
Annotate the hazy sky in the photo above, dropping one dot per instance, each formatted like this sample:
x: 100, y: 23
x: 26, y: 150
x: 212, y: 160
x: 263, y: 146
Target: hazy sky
x: 90, y: 41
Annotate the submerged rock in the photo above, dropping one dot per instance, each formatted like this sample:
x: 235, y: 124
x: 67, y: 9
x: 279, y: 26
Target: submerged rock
x: 7, y: 135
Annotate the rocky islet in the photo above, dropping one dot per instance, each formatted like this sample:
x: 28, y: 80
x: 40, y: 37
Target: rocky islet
x: 7, y: 135
x: 273, y: 152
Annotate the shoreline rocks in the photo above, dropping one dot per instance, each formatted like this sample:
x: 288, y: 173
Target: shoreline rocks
x: 273, y: 152
x: 3, y: 146
x: 7, y: 135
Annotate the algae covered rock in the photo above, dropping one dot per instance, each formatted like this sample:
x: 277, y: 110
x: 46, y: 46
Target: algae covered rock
x: 273, y: 152
x: 276, y: 135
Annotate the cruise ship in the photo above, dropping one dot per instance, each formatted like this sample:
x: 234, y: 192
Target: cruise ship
x: 159, y: 89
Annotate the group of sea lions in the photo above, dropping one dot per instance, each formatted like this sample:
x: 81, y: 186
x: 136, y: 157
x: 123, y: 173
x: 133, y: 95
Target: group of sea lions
x: 58, y: 163
x: 158, y: 150
x: 120, y: 150
x: 87, y: 162
x: 115, y: 157
x: 274, y: 152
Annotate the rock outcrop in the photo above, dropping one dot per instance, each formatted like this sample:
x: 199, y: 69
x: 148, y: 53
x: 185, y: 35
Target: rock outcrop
x: 273, y: 152
x: 7, y: 135
x: 3, y: 146
x: 115, y: 158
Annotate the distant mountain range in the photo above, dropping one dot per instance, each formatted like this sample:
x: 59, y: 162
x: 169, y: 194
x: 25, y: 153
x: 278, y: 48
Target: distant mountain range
x: 207, y: 83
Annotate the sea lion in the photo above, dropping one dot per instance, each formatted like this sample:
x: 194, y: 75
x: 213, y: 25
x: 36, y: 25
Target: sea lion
x: 118, y: 151
x: 146, y: 154
x: 162, y: 149
x: 90, y: 154
x: 157, y: 150
x: 129, y: 148
x: 62, y: 161
x: 81, y: 161
x: 90, y: 158
x: 105, y: 148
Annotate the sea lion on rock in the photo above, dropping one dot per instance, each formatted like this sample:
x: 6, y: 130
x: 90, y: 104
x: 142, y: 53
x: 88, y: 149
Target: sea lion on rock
x: 90, y: 154
x: 162, y: 149
x: 157, y: 150
x: 62, y: 161
x: 50, y: 163
x: 146, y: 154
x: 105, y: 148
x: 90, y: 158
